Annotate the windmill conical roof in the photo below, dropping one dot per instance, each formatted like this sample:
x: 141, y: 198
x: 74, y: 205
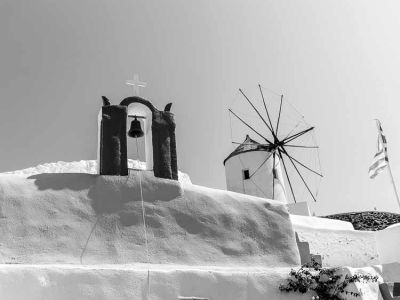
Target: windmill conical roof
x: 248, y: 145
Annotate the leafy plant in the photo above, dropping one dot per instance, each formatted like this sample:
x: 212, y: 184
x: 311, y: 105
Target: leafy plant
x: 325, y: 282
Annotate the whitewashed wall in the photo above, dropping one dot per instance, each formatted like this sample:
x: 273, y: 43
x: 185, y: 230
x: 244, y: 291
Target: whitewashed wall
x: 65, y: 282
x: 340, y: 245
x: 337, y: 242
x: 388, y: 244
x: 320, y: 223
x: 299, y: 208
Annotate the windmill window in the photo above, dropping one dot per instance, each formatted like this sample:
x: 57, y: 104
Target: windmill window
x: 246, y: 174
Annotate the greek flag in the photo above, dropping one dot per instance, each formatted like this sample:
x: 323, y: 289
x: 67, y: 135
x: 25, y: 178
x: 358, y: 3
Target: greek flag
x: 381, y: 159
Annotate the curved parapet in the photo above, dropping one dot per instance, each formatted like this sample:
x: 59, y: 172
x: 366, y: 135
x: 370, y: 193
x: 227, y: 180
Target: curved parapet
x: 130, y: 100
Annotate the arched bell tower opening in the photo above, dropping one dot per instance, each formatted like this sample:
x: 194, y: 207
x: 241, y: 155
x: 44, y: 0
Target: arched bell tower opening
x: 140, y: 116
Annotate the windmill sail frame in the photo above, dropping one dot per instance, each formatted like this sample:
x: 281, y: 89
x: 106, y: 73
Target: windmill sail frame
x: 279, y: 146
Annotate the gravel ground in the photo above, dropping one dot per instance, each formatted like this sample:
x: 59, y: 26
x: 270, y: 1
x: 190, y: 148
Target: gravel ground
x: 368, y: 220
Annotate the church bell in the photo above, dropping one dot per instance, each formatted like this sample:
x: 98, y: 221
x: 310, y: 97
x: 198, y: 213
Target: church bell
x: 136, y: 129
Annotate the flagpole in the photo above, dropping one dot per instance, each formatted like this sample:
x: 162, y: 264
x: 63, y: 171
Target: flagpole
x: 394, y: 185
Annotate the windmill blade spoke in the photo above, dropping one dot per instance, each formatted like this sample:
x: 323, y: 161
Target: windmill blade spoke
x: 260, y: 166
x: 279, y: 116
x: 265, y: 106
x: 303, y: 165
x: 258, y: 113
x: 300, y: 146
x: 250, y: 127
x: 273, y: 177
x: 296, y: 135
x: 287, y: 175
x: 301, y: 176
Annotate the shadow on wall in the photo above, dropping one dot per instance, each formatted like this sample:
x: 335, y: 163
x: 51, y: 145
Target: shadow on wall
x: 63, y: 181
x: 111, y: 194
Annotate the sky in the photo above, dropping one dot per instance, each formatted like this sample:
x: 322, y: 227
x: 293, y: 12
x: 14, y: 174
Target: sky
x: 337, y: 62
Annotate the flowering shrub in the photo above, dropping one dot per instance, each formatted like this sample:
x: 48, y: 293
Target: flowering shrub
x: 325, y: 282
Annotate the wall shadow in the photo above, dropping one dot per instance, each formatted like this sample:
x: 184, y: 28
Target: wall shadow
x: 61, y: 181
x: 113, y: 194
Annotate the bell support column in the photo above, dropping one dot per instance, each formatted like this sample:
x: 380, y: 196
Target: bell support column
x: 113, y: 144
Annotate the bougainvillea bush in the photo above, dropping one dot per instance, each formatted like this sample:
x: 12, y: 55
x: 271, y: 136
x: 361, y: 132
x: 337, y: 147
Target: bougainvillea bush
x: 325, y: 282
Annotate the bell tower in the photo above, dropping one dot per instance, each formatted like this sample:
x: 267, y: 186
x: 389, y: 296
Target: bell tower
x: 160, y: 139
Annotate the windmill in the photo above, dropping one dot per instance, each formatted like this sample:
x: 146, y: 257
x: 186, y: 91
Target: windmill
x: 279, y: 150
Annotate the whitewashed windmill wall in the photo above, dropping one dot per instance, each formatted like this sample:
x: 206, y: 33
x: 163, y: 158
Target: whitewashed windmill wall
x: 248, y: 160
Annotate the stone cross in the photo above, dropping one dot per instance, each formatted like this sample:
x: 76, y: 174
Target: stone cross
x: 136, y: 84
